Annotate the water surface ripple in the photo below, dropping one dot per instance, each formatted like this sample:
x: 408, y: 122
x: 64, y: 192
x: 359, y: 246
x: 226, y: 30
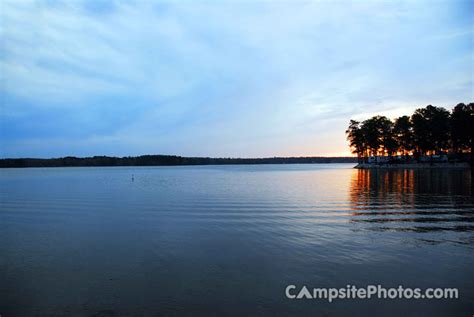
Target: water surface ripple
x: 227, y: 240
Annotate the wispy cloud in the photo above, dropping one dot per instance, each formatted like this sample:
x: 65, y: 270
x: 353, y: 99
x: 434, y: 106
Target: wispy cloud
x: 234, y: 78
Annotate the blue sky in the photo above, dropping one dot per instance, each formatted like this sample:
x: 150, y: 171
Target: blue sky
x: 221, y: 78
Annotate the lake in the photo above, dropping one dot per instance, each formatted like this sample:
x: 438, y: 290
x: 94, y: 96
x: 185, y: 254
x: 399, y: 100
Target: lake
x: 227, y: 240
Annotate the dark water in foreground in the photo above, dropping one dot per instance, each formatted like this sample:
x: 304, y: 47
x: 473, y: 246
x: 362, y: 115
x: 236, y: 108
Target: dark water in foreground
x: 227, y: 240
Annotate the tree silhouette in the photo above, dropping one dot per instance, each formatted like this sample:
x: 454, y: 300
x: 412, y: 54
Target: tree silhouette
x: 462, y: 126
x: 403, y: 134
x: 371, y: 134
x: 429, y: 130
x: 387, y: 137
x: 356, y: 139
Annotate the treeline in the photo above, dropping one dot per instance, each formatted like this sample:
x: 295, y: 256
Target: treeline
x: 428, y: 131
x: 163, y: 160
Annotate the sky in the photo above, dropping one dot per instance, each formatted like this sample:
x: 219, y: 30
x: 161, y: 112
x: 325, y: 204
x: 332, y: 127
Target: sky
x: 221, y: 78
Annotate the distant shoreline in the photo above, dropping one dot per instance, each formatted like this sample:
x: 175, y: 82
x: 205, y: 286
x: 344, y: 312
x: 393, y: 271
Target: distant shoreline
x: 162, y: 160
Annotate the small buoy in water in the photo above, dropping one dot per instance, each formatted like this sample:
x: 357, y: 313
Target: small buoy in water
x: 133, y: 178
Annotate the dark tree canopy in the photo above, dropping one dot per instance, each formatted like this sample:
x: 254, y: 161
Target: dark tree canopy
x: 403, y: 134
x: 429, y: 130
x: 462, y: 126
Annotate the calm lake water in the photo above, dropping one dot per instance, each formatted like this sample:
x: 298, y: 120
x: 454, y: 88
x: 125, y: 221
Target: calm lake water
x: 227, y: 240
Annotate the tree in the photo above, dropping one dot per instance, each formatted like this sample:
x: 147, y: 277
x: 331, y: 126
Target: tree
x: 462, y: 126
x: 430, y: 129
x: 387, y: 138
x: 371, y: 133
x: 356, y: 139
x: 403, y: 134
x: 377, y: 136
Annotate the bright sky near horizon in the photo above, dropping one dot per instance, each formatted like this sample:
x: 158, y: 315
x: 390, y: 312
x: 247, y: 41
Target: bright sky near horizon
x: 221, y: 78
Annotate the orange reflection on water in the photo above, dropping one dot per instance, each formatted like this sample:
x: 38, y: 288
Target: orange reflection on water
x: 378, y: 187
x: 428, y: 200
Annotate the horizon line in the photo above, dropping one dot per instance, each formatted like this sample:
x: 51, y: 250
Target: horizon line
x: 175, y: 155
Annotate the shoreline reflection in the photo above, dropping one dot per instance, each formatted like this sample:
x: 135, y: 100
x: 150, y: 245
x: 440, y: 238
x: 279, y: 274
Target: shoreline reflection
x: 412, y: 200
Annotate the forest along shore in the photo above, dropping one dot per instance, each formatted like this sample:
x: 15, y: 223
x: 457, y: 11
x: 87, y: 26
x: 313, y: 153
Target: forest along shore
x: 432, y: 137
x: 163, y: 160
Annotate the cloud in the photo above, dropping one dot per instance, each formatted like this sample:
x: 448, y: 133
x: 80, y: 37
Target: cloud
x: 233, y: 78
